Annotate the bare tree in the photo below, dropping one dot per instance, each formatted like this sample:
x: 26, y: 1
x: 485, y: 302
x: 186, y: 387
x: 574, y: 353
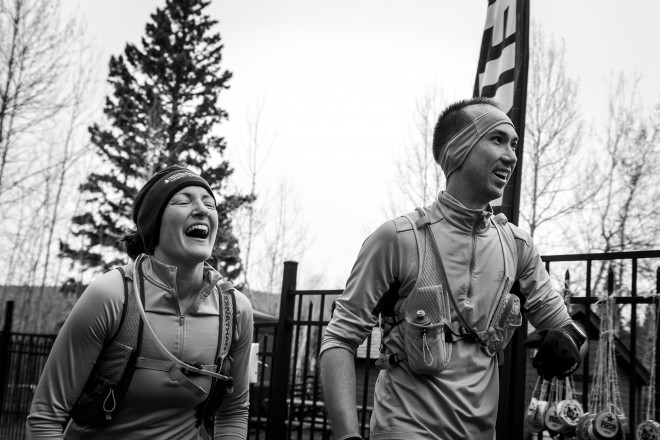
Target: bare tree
x: 286, y: 239
x: 553, y: 153
x: 623, y: 215
x: 418, y: 179
x: 284, y: 236
x: 627, y: 210
x: 34, y: 54
x: 45, y: 84
x: 251, y: 219
x: 271, y: 229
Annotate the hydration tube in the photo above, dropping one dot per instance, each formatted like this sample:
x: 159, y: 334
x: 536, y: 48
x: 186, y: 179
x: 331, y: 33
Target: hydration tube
x: 164, y: 351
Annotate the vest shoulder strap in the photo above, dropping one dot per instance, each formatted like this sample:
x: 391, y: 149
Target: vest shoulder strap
x: 226, y: 336
x: 115, y: 366
x: 128, y: 334
x: 129, y: 331
x: 227, y: 314
x: 504, y: 228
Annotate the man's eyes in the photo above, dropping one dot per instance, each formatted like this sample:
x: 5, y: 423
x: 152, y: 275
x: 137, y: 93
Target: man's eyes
x: 500, y: 139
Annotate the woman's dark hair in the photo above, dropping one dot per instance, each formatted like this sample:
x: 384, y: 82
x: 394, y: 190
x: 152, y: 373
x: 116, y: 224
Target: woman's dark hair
x: 131, y: 241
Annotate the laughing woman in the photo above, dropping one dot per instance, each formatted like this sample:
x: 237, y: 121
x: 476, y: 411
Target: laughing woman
x: 159, y: 348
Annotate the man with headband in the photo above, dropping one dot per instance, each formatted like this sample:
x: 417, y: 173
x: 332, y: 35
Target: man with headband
x: 437, y: 281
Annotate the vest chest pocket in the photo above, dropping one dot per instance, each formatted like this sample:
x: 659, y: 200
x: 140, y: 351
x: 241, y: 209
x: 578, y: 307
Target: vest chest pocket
x: 426, y: 348
x: 113, y: 361
x: 506, y: 320
x: 97, y: 404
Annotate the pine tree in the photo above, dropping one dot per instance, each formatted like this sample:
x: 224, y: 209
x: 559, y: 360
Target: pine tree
x: 163, y: 111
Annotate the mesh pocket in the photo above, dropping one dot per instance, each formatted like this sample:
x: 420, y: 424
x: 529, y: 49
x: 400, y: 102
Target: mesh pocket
x: 427, y: 351
x: 113, y: 361
x: 431, y: 299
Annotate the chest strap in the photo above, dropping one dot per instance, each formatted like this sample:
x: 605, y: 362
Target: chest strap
x: 163, y: 365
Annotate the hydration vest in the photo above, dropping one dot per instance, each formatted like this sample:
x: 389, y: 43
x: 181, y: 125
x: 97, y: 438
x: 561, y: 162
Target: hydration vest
x: 424, y: 315
x: 106, y: 386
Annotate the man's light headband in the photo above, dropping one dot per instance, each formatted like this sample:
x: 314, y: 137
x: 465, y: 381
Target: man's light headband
x: 458, y: 148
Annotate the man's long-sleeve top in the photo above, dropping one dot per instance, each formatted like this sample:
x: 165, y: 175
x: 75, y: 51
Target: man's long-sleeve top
x: 461, y: 401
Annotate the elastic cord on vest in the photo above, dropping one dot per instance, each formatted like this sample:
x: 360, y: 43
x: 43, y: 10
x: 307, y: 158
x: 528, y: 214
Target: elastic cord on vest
x: 164, y: 351
x: 458, y: 148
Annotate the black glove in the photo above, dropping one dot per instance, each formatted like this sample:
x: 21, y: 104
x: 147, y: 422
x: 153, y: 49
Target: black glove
x: 558, y: 351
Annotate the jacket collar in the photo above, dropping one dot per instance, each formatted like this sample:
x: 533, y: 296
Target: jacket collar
x: 449, y: 209
x: 164, y: 276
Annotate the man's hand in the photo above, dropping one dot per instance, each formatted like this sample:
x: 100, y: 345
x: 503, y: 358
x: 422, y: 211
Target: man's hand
x: 558, y: 351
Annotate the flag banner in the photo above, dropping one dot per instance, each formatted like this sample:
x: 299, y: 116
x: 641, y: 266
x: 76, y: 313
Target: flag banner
x: 502, y: 75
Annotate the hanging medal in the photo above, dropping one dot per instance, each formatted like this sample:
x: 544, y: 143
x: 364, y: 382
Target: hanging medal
x: 569, y: 410
x: 551, y: 417
x: 606, y: 419
x: 535, y: 417
x: 649, y: 429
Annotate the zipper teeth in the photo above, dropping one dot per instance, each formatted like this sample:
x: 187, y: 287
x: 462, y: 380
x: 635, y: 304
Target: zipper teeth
x: 474, y: 246
x: 181, y: 319
x: 183, y: 334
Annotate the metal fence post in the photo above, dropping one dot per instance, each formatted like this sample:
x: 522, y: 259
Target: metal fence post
x: 511, y: 401
x: 277, y: 413
x: 657, y: 347
x: 5, y: 341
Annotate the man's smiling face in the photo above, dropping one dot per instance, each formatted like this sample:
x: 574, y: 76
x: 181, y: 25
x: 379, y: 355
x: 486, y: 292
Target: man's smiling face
x: 489, y: 165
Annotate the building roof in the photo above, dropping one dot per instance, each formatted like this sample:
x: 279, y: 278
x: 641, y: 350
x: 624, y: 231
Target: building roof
x: 263, y: 317
x: 265, y: 306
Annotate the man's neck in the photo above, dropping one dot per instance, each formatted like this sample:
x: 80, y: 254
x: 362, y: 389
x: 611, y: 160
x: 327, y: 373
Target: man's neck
x: 468, y: 200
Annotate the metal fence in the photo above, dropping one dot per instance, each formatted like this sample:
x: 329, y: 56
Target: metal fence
x: 633, y: 280
x: 22, y: 359
x: 297, y: 411
x: 261, y: 391
x: 286, y: 401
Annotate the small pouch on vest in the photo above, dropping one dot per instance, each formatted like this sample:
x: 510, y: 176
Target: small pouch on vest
x: 96, y: 404
x: 113, y: 361
x: 425, y: 345
x: 506, y: 320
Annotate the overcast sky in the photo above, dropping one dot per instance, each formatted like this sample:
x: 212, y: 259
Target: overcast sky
x: 339, y: 80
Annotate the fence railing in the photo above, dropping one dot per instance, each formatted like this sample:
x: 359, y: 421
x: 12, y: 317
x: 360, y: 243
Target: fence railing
x: 619, y: 277
x: 261, y: 391
x: 304, y: 314
x: 286, y: 401
x: 22, y: 359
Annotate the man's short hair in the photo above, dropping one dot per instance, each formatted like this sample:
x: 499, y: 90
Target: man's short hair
x: 452, y: 120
